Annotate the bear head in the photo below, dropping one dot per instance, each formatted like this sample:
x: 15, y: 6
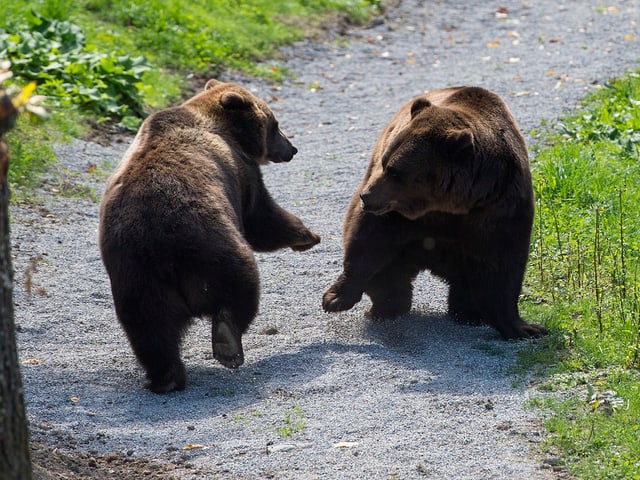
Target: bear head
x: 426, y: 165
x: 246, y: 119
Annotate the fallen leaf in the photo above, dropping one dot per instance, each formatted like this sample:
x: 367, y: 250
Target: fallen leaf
x: 502, y: 12
x: 551, y: 73
x: 74, y: 399
x: 629, y: 38
x: 285, y: 447
x: 31, y: 361
x: 612, y: 9
x: 345, y: 445
x: 196, y: 447
x: 493, y: 44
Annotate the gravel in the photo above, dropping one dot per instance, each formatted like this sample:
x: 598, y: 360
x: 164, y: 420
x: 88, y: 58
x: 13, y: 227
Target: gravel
x: 320, y: 395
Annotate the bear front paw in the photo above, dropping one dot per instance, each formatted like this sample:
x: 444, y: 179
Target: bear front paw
x: 306, y: 243
x: 174, y: 378
x: 523, y: 330
x: 337, y: 300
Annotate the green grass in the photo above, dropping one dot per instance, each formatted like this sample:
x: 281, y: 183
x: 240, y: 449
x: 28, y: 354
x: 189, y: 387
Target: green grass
x: 584, y: 282
x: 116, y: 60
x: 294, y: 422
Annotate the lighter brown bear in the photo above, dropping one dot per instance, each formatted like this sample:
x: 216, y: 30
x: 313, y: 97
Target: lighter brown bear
x: 448, y: 189
x: 179, y: 220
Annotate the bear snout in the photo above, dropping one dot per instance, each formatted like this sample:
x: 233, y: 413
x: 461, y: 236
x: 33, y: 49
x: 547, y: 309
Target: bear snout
x: 363, y: 199
x: 285, y: 153
x: 368, y: 203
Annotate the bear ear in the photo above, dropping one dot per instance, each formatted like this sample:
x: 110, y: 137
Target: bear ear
x: 212, y: 83
x: 461, y: 143
x: 234, y: 101
x: 418, y: 105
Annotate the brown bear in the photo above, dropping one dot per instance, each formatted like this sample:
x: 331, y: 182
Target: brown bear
x: 448, y: 189
x: 179, y: 220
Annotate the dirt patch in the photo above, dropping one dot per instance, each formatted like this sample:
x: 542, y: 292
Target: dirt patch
x: 52, y: 464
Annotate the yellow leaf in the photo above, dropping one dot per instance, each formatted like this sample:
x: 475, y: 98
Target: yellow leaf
x: 23, y: 97
x: 630, y: 38
x: 74, y: 399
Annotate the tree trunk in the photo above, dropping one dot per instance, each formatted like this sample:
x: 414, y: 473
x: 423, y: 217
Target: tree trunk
x: 15, y: 459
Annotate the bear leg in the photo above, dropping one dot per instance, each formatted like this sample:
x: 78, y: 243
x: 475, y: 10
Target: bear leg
x: 495, y: 295
x: 270, y: 227
x: 155, y: 339
x: 460, y: 305
x: 391, y: 291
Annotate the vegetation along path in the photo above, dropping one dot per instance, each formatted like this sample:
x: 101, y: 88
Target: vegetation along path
x: 320, y: 396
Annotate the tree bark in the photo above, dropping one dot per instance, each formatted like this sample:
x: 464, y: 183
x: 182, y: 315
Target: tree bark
x: 15, y: 458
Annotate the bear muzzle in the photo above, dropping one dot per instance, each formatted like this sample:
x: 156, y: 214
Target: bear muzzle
x: 368, y: 204
x: 284, y: 155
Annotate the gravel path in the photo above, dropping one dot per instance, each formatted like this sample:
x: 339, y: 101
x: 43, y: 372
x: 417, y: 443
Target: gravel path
x: 320, y: 396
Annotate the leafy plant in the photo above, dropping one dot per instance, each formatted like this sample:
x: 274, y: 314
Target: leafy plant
x: 294, y: 422
x: 53, y: 53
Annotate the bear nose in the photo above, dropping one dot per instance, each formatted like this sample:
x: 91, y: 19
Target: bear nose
x: 294, y: 150
x: 363, y: 198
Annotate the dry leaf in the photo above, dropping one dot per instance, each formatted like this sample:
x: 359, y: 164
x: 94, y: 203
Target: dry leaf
x: 31, y: 361
x: 629, y: 38
x: 502, y: 12
x: 196, y: 447
x: 493, y: 44
x: 285, y: 447
x: 345, y: 445
x: 74, y: 399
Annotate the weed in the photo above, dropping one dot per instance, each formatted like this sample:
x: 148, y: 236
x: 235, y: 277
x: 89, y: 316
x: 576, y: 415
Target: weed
x: 294, y: 422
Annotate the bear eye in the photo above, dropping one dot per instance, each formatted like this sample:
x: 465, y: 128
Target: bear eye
x: 393, y: 173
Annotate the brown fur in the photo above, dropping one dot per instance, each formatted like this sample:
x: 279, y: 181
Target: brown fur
x: 180, y: 218
x: 448, y: 189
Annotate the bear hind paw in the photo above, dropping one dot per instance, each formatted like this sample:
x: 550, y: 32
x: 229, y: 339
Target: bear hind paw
x: 227, y: 345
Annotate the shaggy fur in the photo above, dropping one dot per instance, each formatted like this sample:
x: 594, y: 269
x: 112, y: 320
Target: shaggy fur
x: 448, y: 189
x: 179, y: 220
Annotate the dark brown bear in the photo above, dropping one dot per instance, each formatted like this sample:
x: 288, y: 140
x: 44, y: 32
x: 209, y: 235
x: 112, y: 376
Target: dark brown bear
x: 180, y: 218
x: 448, y: 189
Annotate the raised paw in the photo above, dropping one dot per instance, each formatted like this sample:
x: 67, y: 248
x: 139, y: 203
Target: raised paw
x: 305, y: 243
x: 338, y: 298
x: 227, y: 345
